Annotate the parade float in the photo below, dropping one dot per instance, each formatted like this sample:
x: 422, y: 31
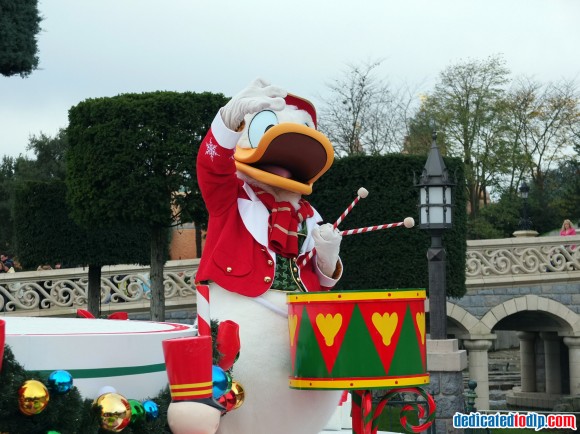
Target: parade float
x: 276, y: 346
x: 74, y: 375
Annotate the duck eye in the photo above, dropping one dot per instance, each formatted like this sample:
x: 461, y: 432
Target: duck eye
x: 261, y: 123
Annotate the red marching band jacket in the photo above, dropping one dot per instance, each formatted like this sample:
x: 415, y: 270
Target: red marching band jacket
x: 236, y: 254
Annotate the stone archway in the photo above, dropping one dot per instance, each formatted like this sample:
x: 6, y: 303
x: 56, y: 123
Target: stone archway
x: 568, y: 319
x: 479, y: 337
x: 462, y: 317
x: 477, y: 340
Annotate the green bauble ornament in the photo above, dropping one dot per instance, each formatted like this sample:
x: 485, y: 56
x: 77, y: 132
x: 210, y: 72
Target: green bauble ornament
x: 137, y: 411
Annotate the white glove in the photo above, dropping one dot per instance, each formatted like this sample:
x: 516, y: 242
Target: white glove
x: 327, y: 244
x: 258, y: 96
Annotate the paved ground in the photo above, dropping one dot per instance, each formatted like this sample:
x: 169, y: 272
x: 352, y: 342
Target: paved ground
x: 341, y: 418
x: 344, y: 431
x: 350, y: 431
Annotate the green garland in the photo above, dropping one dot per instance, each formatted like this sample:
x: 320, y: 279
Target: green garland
x: 65, y: 414
x: 69, y: 413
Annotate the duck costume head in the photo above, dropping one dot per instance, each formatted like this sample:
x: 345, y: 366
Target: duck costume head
x: 283, y: 149
x: 260, y: 158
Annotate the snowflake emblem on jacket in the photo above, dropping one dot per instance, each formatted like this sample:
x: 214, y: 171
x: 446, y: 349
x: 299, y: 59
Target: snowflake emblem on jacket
x: 211, y: 150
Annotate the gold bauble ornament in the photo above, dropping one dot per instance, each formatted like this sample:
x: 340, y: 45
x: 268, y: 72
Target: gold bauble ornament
x: 33, y: 397
x: 239, y: 393
x: 114, y: 411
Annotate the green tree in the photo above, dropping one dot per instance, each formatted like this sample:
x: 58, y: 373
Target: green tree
x: 567, y: 197
x: 467, y: 104
x: 43, y: 230
x: 421, y: 128
x: 19, y: 25
x: 6, y: 182
x: 45, y: 234
x: 558, y: 199
x: 49, y: 164
x: 50, y: 155
x: 497, y: 220
x: 132, y: 161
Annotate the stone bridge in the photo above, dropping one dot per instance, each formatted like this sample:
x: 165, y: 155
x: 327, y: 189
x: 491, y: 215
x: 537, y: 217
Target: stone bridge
x: 527, y: 285
x: 530, y: 286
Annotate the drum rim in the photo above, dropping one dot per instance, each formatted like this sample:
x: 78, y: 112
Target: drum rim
x: 399, y: 294
x: 351, y: 383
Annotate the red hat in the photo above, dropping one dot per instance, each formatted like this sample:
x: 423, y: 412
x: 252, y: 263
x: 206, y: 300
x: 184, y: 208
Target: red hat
x: 188, y: 362
x: 302, y: 104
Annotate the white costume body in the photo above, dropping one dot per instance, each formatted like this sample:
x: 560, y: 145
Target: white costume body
x: 270, y: 406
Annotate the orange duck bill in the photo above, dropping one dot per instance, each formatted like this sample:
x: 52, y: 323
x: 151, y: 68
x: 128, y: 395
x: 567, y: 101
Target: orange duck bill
x: 289, y: 156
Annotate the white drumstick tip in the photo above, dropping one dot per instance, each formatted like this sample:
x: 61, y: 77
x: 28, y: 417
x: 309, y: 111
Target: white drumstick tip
x: 362, y: 192
x: 409, y: 222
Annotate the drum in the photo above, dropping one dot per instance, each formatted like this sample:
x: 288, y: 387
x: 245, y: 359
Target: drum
x: 354, y: 340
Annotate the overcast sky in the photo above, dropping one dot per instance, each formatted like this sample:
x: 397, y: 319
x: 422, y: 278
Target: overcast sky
x: 95, y: 48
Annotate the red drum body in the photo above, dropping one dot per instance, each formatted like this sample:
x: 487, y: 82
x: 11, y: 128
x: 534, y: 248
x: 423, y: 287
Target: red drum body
x: 355, y: 340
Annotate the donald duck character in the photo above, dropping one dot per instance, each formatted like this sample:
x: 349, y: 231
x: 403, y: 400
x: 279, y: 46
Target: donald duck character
x: 260, y: 157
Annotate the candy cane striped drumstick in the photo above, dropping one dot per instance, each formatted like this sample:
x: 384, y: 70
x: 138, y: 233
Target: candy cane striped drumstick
x: 408, y: 223
x: 203, y: 318
x: 361, y: 194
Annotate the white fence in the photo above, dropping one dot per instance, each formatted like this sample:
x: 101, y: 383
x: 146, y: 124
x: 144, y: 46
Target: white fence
x: 509, y: 261
x: 515, y: 261
x: 123, y: 287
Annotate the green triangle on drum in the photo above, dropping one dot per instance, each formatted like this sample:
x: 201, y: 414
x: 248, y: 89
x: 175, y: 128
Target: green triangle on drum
x: 384, y: 320
x: 294, y: 319
x: 407, y: 359
x: 330, y: 322
x: 309, y: 360
x: 418, y: 314
x: 358, y: 356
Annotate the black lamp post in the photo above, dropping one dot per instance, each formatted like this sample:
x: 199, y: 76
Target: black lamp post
x: 435, y: 210
x: 525, y: 221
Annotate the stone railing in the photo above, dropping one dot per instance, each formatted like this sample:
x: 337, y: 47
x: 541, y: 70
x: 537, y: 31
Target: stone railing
x: 512, y: 261
x: 500, y: 262
x: 123, y: 287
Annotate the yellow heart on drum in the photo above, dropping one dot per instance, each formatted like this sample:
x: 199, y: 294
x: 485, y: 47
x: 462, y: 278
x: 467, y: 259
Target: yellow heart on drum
x: 386, y: 325
x: 420, y: 319
x: 329, y: 326
x: 292, y: 324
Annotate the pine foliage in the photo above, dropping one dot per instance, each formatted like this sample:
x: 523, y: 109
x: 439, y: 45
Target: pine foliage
x: 65, y: 413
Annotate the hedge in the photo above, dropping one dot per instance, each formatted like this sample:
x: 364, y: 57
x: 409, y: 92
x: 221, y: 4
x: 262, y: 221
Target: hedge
x: 397, y: 257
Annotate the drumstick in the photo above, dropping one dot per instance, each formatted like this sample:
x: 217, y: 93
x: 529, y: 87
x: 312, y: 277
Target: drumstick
x: 409, y: 222
x: 361, y: 194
